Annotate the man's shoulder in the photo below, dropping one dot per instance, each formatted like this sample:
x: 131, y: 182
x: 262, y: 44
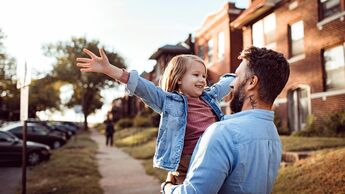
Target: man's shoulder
x: 228, y: 129
x: 236, y: 129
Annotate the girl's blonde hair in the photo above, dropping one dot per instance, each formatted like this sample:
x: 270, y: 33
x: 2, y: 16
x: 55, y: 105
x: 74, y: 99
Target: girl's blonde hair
x: 175, y: 70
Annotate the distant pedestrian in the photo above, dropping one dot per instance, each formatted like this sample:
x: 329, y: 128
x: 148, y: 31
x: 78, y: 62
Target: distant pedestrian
x: 109, y: 130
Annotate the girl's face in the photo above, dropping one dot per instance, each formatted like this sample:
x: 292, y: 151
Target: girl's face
x: 193, y: 81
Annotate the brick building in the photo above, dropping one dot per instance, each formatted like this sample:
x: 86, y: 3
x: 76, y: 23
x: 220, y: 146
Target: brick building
x: 217, y: 44
x: 311, y: 34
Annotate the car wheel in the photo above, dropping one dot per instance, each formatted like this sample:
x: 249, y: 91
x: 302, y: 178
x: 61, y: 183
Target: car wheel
x: 33, y: 158
x: 56, y: 144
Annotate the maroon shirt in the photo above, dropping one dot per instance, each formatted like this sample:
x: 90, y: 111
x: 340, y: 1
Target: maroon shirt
x: 199, y: 117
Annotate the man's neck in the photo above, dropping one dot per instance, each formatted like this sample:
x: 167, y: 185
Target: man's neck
x: 252, y: 102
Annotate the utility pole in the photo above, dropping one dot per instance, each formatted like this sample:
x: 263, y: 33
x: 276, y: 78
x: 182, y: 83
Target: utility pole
x: 23, y: 82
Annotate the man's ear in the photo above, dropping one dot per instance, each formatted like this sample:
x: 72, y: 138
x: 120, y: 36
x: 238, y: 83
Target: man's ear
x: 179, y: 82
x: 253, y: 82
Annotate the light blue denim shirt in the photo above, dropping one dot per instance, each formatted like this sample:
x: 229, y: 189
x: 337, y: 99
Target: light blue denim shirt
x: 173, y: 110
x: 240, y: 154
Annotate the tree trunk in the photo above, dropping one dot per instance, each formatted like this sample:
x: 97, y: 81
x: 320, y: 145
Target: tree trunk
x: 86, y: 128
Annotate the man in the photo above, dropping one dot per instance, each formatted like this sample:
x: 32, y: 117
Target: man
x: 242, y: 153
x: 109, y: 130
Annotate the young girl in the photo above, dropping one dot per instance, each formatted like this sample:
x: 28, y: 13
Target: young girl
x: 185, y: 106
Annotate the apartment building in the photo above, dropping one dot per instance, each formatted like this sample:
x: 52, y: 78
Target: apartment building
x: 311, y: 34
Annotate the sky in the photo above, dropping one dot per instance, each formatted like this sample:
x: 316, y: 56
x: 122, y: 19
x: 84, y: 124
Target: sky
x: 133, y: 28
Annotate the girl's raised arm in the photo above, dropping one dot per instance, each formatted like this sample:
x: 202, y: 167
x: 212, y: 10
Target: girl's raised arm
x: 146, y: 90
x: 98, y: 64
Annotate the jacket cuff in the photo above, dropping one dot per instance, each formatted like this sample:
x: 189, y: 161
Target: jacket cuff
x: 132, y: 82
x: 228, y: 75
x: 124, y: 77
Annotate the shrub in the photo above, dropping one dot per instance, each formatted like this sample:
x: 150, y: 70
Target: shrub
x: 123, y: 123
x: 332, y: 126
x: 146, y: 112
x: 142, y: 121
x: 335, y: 124
x: 281, y: 130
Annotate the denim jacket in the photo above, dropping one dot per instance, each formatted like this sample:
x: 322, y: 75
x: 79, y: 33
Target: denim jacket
x: 172, y: 106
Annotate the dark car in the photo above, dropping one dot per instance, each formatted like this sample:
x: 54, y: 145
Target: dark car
x: 71, y: 124
x: 67, y: 127
x: 11, y: 150
x: 36, y: 133
x: 54, y: 127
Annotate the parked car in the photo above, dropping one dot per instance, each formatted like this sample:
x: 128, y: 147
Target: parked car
x: 67, y: 127
x: 72, y: 124
x: 56, y: 129
x: 36, y: 133
x: 11, y: 150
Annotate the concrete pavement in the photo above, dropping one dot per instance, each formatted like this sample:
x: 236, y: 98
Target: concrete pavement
x: 121, y: 173
x: 10, y: 179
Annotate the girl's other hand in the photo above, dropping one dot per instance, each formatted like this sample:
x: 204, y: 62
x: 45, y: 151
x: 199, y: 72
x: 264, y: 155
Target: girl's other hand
x: 94, y: 63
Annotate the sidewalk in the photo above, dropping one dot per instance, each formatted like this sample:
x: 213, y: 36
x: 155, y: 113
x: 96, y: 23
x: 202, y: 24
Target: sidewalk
x: 121, y: 173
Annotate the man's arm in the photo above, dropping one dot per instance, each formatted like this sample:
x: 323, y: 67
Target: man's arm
x: 210, y: 165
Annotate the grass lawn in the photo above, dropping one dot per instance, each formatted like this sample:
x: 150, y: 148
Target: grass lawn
x: 323, y: 172
x: 134, y: 136
x: 140, y: 144
x: 291, y: 143
x: 71, y: 169
x: 144, y: 151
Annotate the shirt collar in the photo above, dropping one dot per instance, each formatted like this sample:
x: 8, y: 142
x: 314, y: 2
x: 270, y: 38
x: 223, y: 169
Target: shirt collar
x: 259, y: 113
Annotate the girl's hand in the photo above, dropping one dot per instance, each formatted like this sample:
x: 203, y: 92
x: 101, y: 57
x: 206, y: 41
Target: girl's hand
x: 95, y: 63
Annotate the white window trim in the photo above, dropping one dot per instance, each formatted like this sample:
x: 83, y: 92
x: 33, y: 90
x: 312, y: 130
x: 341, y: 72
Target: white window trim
x: 322, y: 95
x: 296, y: 58
x: 340, y: 16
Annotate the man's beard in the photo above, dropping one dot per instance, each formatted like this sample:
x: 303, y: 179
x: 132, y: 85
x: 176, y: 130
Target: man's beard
x: 237, y: 101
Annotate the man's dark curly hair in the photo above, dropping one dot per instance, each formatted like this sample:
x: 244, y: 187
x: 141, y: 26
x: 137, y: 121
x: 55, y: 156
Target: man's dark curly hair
x: 270, y: 67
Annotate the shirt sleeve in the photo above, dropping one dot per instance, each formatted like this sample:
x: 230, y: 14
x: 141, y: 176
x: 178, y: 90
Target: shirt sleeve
x: 211, y: 163
x: 222, y: 87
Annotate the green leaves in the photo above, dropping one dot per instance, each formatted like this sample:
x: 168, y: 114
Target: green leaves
x: 86, y: 86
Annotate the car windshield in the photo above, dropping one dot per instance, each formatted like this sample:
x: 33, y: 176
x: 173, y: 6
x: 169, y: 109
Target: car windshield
x: 8, y: 136
x: 10, y: 126
x: 39, y: 129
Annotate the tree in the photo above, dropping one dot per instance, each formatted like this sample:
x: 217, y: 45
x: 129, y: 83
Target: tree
x: 9, y: 95
x: 44, y: 94
x: 86, y: 86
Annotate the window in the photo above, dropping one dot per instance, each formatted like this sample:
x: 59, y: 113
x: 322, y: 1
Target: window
x: 210, y: 50
x: 334, y: 62
x: 299, y: 107
x: 221, y: 45
x: 16, y: 130
x: 5, y: 138
x: 264, y: 32
x: 297, y: 39
x: 329, y: 8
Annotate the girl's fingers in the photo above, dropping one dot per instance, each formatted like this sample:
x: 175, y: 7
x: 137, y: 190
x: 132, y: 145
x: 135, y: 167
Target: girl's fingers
x: 89, y: 53
x: 83, y: 65
x: 86, y: 60
x: 102, y: 53
x: 86, y: 70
